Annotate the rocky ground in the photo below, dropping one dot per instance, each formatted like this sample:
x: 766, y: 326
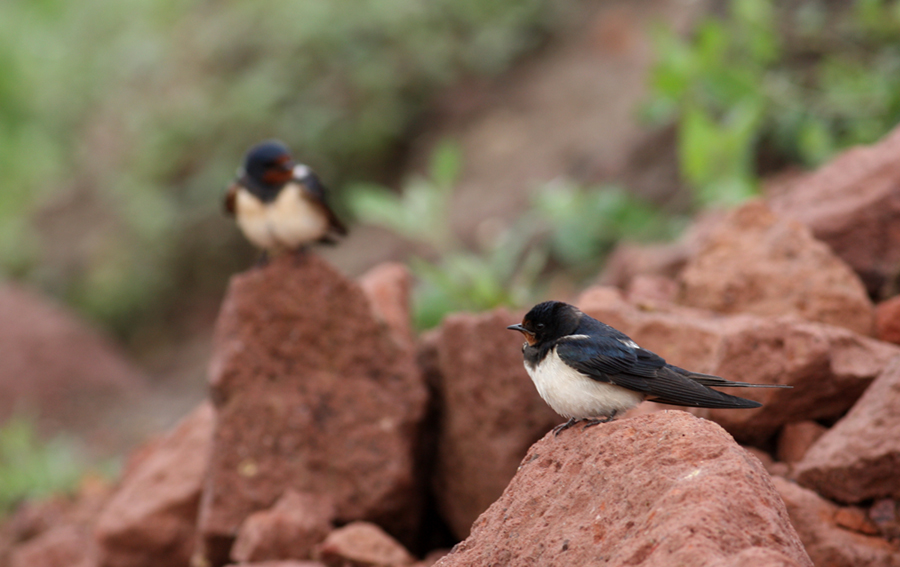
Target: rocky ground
x: 333, y: 436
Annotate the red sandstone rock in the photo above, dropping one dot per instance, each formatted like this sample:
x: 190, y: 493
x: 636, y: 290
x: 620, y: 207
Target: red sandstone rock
x: 62, y: 516
x: 432, y: 558
x: 289, y: 530
x: 887, y: 320
x: 288, y: 563
x: 757, y: 262
x: 628, y: 261
x: 661, y: 489
x: 859, y: 457
x: 388, y: 288
x: 361, y: 544
x: 827, y: 366
x: 652, y: 290
x: 489, y: 409
x: 795, y: 438
x: 55, y: 364
x: 884, y: 514
x: 31, y: 519
x: 64, y: 546
x: 854, y: 519
x: 853, y: 205
x: 312, y: 394
x: 827, y: 543
x: 151, y: 518
x: 773, y: 467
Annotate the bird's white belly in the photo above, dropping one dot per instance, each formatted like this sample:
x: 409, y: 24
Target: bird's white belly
x: 288, y: 222
x: 253, y: 219
x: 572, y: 394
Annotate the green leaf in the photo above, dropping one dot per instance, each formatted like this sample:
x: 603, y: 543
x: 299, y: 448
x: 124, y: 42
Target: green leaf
x: 446, y: 164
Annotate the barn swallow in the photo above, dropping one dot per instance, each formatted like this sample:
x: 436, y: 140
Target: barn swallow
x: 585, y: 369
x: 278, y: 203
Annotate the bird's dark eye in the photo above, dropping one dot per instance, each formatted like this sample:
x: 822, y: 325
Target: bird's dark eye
x: 539, y: 327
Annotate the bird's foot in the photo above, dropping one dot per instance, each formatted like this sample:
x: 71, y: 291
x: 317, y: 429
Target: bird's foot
x: 593, y: 422
x: 563, y: 426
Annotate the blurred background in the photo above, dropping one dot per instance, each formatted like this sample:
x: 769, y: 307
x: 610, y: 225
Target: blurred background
x: 501, y: 149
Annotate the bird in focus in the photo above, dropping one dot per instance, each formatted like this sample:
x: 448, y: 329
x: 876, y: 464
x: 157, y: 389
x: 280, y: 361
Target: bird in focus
x: 588, y: 371
x: 280, y: 205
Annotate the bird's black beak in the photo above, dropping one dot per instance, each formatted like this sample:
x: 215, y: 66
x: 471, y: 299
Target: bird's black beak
x: 529, y: 336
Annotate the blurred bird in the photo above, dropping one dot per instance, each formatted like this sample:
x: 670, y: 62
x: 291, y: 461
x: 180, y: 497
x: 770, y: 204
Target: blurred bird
x: 585, y: 369
x: 279, y: 204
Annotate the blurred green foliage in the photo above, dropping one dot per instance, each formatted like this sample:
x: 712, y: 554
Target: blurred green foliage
x: 567, y: 228
x: 583, y: 224
x: 32, y: 468
x: 775, y: 83
x: 130, y: 116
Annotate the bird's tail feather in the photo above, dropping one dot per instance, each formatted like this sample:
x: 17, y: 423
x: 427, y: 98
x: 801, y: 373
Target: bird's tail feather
x: 717, y: 381
x: 669, y: 386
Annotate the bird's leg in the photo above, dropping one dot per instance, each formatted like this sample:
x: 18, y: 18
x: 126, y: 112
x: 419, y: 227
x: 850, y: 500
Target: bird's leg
x: 593, y: 422
x: 263, y: 259
x: 563, y: 426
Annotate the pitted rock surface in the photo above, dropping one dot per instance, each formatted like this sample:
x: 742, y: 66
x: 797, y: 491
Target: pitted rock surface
x: 152, y: 516
x: 761, y: 263
x: 859, y: 457
x: 656, y: 490
x: 313, y: 393
x: 853, y: 205
x: 827, y: 542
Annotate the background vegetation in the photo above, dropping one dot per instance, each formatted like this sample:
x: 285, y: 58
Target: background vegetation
x: 31, y: 467
x: 567, y: 229
x: 121, y: 122
x: 134, y: 114
x: 772, y: 84
x: 764, y: 86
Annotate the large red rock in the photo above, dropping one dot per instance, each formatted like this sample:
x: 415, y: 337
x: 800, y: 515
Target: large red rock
x: 151, y: 519
x: 628, y: 261
x: 289, y: 530
x: 490, y: 412
x: 285, y: 563
x: 826, y: 541
x: 828, y: 367
x: 313, y: 393
x: 63, y: 546
x: 887, y: 320
x: 758, y: 262
x: 361, y: 544
x: 388, y: 287
x: 859, y: 457
x: 853, y: 205
x: 45, y: 532
x: 885, y: 514
x: 57, y: 366
x: 796, y: 438
x: 661, y: 489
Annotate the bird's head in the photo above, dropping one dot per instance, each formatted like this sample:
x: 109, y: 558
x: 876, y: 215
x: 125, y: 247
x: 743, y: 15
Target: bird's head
x: 548, y: 321
x: 267, y: 165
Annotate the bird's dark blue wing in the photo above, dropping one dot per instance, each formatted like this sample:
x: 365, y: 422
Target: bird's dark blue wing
x: 603, y: 357
x: 609, y: 359
x: 313, y: 186
x: 315, y: 189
